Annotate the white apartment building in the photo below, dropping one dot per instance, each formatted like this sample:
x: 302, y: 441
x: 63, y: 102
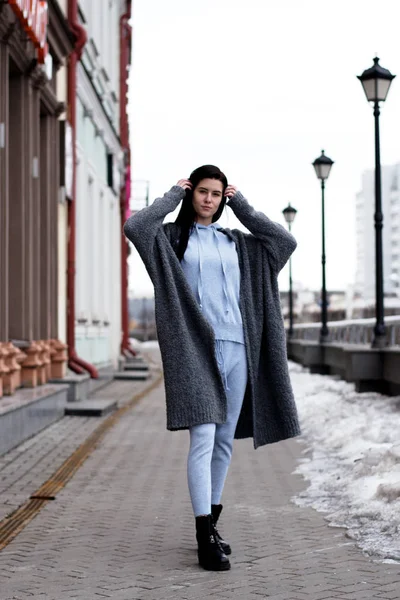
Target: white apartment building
x: 100, y: 172
x: 365, y: 233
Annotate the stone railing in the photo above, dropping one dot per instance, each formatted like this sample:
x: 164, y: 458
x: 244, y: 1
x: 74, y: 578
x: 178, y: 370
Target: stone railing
x: 358, y: 331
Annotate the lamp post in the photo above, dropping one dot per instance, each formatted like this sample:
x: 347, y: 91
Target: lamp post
x: 322, y: 166
x: 289, y: 213
x: 376, y: 83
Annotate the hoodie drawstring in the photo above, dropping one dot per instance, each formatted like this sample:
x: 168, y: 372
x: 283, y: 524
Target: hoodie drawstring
x: 200, y: 281
x: 225, y: 285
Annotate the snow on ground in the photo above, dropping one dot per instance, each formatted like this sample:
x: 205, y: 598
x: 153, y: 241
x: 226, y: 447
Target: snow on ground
x: 150, y: 350
x: 351, y: 460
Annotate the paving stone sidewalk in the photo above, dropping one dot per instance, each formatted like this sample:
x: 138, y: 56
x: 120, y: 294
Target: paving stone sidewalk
x: 122, y: 528
x: 26, y: 467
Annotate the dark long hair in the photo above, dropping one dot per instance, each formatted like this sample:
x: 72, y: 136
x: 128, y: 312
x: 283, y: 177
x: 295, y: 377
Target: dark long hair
x: 187, y: 215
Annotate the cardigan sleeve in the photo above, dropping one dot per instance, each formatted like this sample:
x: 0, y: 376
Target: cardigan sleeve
x: 278, y: 242
x: 142, y: 227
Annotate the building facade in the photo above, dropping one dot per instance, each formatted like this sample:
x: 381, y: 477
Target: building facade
x: 102, y: 163
x: 365, y: 234
x: 64, y: 193
x: 34, y: 46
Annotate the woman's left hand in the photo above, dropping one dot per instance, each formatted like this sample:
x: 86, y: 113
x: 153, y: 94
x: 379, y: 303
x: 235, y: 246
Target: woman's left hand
x: 230, y: 191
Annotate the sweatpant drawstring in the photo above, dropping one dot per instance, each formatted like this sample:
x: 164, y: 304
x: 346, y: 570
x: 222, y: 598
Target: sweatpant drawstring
x: 220, y: 355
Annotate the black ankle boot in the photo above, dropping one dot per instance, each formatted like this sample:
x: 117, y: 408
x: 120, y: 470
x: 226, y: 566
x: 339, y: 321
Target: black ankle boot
x: 211, y: 556
x: 216, y: 510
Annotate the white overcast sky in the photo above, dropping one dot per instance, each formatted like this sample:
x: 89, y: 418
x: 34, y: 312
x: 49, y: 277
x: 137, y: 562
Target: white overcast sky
x: 259, y: 87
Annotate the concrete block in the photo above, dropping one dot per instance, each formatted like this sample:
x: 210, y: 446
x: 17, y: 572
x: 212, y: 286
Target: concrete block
x: 90, y: 408
x: 79, y: 386
x: 335, y: 359
x: 363, y: 363
x: 132, y: 375
x: 308, y: 353
x: 29, y: 411
x: 391, y: 364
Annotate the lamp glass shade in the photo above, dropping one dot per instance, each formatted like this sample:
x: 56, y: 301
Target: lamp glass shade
x: 376, y: 82
x: 289, y: 213
x: 322, y: 170
x: 322, y: 166
x: 376, y: 90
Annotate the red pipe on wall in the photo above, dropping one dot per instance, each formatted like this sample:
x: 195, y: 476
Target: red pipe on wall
x: 75, y: 363
x: 125, y: 53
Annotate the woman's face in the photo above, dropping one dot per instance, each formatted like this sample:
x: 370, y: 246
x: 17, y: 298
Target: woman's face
x: 207, y: 197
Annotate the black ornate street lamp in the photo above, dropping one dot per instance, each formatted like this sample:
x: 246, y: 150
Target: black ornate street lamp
x: 289, y: 213
x: 322, y: 166
x: 376, y: 83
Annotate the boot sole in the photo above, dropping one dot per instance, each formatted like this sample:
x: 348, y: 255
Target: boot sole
x: 222, y: 567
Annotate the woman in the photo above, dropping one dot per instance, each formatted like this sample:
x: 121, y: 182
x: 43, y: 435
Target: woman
x: 220, y: 331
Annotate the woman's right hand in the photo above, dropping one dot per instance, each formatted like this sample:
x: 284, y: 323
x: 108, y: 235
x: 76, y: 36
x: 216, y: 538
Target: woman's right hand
x: 185, y: 184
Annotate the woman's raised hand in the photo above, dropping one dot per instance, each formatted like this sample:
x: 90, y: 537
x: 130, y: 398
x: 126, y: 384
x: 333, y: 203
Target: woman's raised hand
x: 185, y: 184
x: 230, y: 191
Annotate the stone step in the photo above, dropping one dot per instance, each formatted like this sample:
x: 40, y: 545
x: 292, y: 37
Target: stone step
x: 135, y: 360
x: 95, y: 407
x: 135, y: 367
x: 132, y: 375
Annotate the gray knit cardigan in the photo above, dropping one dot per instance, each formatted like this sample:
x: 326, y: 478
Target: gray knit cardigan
x: 193, y: 385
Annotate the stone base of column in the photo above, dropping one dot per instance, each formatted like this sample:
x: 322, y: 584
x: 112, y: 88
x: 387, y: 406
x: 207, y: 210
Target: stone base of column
x: 20, y: 357
x: 42, y: 362
x: 47, y: 358
x: 30, y: 366
x: 59, y: 359
x: 4, y: 370
x: 12, y: 378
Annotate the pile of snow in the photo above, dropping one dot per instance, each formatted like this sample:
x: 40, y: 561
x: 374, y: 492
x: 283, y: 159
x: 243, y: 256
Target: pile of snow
x: 138, y: 345
x: 352, y: 460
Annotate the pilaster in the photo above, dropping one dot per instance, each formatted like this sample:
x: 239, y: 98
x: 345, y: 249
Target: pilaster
x: 54, y: 215
x: 20, y: 213
x: 35, y: 257
x: 44, y: 281
x: 4, y: 197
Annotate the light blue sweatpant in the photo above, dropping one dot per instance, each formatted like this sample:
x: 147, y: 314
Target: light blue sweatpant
x: 211, y: 444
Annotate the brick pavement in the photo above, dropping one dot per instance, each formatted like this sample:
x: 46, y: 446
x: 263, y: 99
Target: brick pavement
x: 122, y: 529
x: 26, y: 467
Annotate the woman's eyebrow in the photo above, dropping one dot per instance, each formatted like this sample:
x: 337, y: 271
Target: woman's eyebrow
x: 207, y: 190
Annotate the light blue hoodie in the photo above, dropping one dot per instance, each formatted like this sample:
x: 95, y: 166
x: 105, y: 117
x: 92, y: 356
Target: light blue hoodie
x: 211, y: 267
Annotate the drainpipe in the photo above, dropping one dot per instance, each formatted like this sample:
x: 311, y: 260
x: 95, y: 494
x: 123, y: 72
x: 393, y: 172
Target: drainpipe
x: 125, y: 52
x: 75, y: 363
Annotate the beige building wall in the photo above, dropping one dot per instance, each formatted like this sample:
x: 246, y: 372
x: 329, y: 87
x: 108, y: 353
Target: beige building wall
x: 62, y: 269
x: 62, y: 89
x: 62, y: 96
